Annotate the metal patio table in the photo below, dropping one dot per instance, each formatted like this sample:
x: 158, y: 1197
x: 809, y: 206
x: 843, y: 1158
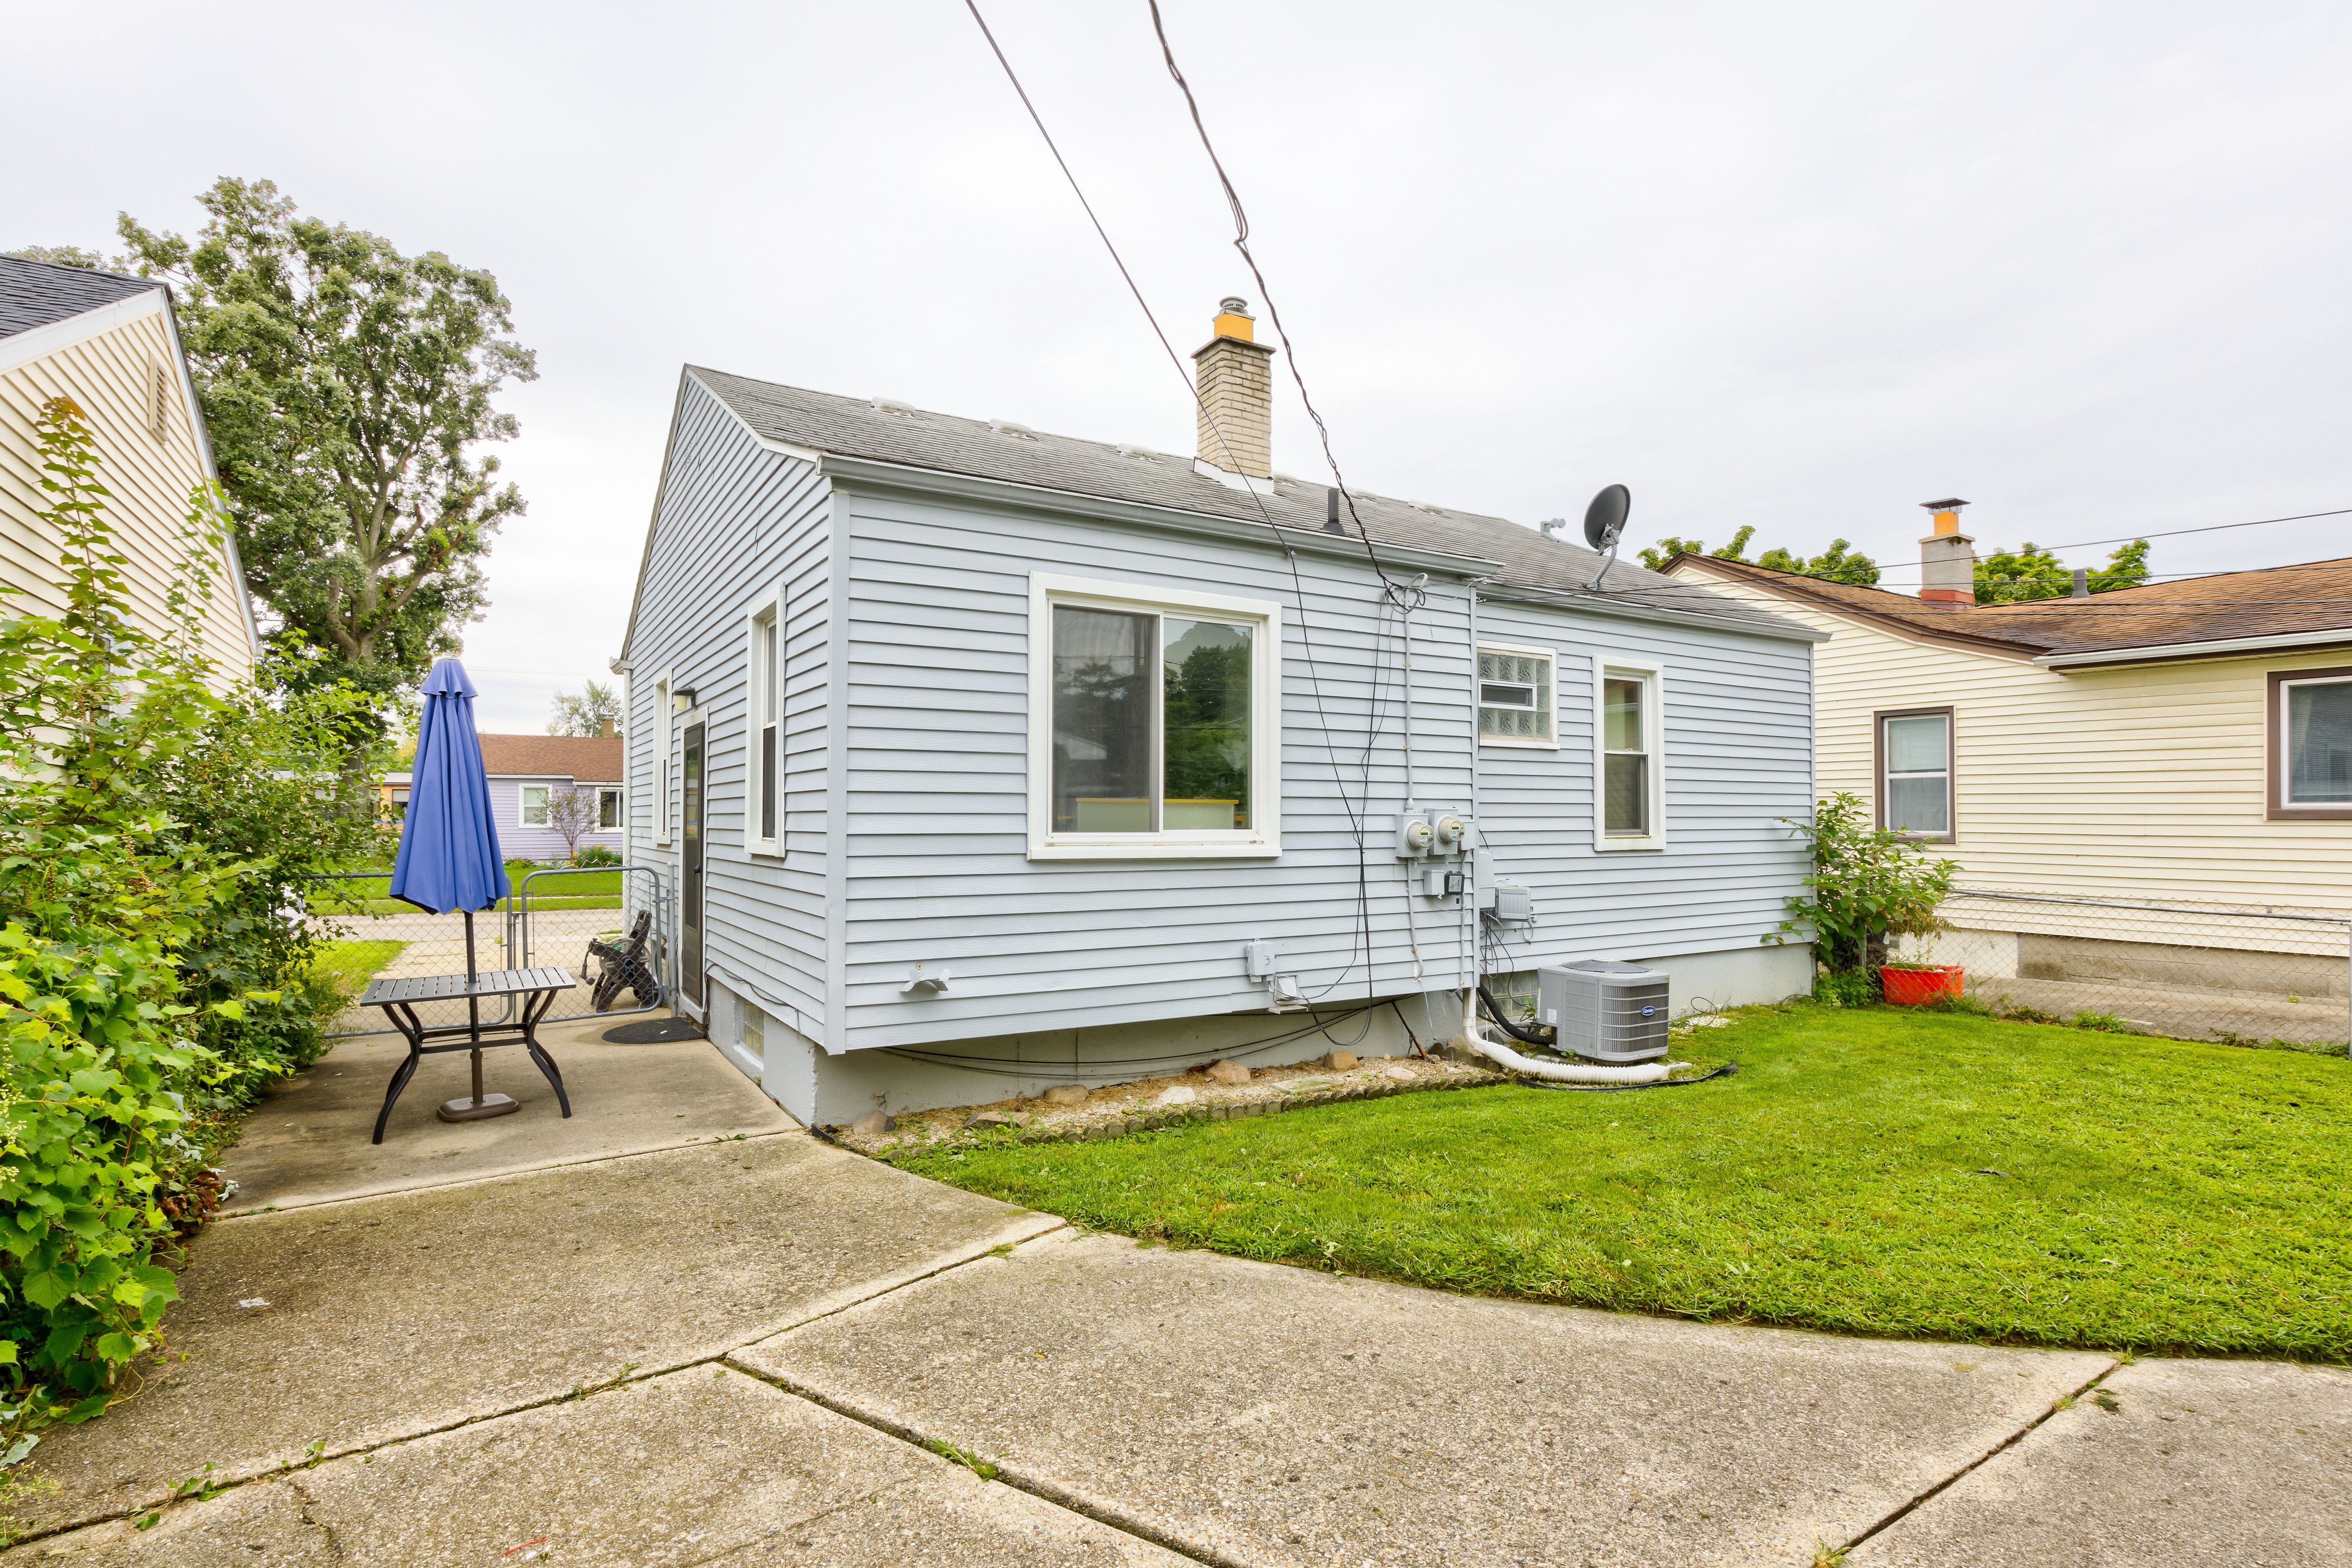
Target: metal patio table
x: 537, y: 988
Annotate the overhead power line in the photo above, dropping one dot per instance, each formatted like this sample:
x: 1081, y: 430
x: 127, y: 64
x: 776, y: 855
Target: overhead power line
x: 2209, y: 528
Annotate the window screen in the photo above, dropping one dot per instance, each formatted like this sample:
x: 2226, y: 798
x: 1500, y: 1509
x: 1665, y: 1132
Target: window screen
x: 1625, y: 756
x: 1919, y: 784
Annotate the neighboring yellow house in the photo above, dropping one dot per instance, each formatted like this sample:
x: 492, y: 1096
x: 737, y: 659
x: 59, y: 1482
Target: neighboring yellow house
x: 2185, y: 744
x: 113, y: 344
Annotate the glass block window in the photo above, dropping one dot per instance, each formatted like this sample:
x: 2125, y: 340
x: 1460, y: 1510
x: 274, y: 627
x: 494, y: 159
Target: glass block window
x: 1515, y: 696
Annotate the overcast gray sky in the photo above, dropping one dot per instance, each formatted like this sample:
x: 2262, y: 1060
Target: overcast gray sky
x: 1798, y: 266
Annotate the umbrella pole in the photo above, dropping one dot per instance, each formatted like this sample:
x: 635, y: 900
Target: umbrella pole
x: 481, y: 1105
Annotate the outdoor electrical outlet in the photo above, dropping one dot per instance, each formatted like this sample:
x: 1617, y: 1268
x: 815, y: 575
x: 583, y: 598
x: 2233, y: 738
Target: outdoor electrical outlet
x: 1259, y: 958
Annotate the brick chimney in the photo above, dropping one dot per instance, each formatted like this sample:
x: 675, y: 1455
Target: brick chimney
x: 1234, y: 375
x: 1948, y: 558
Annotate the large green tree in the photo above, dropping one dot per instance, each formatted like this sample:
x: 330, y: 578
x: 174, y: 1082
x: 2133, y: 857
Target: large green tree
x: 2007, y: 576
x: 1841, y: 563
x: 349, y: 390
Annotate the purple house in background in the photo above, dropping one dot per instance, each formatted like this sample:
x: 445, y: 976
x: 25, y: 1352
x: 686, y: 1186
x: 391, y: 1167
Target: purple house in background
x: 526, y: 772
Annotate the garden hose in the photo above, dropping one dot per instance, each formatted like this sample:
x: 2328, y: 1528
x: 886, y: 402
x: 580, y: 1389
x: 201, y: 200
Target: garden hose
x: 1726, y: 1070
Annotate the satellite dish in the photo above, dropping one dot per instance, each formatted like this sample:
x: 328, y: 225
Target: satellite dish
x: 1604, y: 519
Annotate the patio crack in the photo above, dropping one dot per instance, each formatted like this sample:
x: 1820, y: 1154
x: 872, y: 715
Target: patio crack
x: 1988, y: 1456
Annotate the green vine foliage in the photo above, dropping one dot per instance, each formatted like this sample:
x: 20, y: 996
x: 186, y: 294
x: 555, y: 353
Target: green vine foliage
x: 157, y: 827
x: 1867, y: 883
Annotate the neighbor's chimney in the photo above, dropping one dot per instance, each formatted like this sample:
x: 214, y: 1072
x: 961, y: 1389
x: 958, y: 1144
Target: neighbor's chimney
x: 1948, y: 558
x: 604, y: 730
x: 1235, y: 378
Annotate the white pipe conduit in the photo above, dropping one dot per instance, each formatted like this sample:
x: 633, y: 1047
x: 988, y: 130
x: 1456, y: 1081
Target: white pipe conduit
x: 1560, y: 1072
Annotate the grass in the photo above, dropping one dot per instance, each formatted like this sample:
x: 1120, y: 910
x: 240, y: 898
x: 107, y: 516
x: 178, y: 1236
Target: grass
x: 348, y: 967
x: 372, y: 895
x: 1868, y: 1171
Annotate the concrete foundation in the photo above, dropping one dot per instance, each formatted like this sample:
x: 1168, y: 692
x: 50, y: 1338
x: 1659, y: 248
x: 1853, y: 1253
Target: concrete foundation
x: 834, y: 1090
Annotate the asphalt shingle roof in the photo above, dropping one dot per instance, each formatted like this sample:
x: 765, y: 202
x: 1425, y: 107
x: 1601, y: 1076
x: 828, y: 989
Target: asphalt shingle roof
x: 36, y: 293
x: 2275, y: 601
x: 589, y: 759
x: 857, y: 427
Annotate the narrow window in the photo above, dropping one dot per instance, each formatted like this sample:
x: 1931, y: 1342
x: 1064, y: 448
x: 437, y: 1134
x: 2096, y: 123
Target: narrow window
x: 1515, y: 696
x: 1155, y: 733
x: 608, y: 808
x: 1915, y: 785
x: 1626, y: 743
x: 534, y: 805
x: 2318, y: 734
x: 663, y: 734
x: 763, y: 685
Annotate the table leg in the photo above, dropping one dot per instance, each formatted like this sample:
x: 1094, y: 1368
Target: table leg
x: 414, y: 1028
x: 533, y: 1011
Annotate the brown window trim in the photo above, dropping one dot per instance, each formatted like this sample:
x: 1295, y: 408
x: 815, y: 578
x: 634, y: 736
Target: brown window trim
x: 1951, y: 768
x: 2275, y: 747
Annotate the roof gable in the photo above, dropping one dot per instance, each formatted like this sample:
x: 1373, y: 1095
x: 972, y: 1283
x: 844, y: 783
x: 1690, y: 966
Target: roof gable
x: 39, y: 293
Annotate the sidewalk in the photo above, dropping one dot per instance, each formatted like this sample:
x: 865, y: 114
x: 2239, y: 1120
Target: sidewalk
x: 763, y: 1349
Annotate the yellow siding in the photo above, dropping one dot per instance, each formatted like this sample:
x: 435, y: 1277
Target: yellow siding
x: 2143, y: 784
x: 108, y: 375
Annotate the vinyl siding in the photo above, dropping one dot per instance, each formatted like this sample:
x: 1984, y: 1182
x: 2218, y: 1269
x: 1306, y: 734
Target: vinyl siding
x: 736, y: 518
x: 519, y: 842
x: 937, y: 659
x: 2141, y: 783
x: 149, y: 481
x: 1737, y: 759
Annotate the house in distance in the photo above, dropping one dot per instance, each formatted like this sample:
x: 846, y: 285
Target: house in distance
x: 983, y: 759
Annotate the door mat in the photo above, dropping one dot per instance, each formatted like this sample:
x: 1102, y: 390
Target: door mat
x: 654, y: 1032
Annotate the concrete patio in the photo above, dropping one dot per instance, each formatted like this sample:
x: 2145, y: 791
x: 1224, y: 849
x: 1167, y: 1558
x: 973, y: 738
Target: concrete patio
x: 609, y: 1340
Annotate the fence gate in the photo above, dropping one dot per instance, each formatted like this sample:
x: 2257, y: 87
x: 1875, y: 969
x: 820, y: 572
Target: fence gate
x: 548, y: 918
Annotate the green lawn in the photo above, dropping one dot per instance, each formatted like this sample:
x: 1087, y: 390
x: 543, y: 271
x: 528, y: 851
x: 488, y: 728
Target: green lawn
x: 571, y: 890
x: 2151, y: 1194
x: 350, y: 965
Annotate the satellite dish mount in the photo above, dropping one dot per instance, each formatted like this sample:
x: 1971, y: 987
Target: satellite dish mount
x: 1604, y: 524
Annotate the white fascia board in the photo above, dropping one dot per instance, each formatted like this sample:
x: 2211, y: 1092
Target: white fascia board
x: 2166, y: 652
x: 864, y: 473
x: 1601, y: 604
x: 23, y: 348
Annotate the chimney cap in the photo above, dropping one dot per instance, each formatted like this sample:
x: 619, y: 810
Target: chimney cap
x: 1235, y: 305
x: 1954, y: 504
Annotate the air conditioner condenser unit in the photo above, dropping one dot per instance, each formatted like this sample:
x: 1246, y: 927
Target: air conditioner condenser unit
x: 1604, y: 1010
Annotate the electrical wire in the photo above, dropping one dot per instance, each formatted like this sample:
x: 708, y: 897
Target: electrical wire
x: 2209, y: 528
x: 1356, y: 818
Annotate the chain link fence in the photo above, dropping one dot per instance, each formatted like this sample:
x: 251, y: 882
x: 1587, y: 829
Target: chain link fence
x: 2242, y: 972
x: 550, y: 917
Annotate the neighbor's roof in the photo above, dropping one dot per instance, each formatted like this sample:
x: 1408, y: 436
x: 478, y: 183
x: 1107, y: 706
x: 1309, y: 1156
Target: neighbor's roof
x: 856, y: 427
x: 2274, y: 601
x: 36, y: 293
x: 596, y: 759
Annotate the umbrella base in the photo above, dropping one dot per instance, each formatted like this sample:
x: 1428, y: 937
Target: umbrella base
x: 472, y: 1110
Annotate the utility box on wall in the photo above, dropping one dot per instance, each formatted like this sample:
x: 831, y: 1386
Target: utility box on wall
x: 1604, y: 1010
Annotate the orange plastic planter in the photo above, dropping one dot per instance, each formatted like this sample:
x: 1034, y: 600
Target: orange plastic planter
x: 1913, y: 988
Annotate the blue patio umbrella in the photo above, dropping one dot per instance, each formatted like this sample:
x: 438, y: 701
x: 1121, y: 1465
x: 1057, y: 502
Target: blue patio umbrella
x: 448, y: 857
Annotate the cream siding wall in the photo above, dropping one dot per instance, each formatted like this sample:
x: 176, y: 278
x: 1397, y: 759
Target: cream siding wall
x: 2142, y: 784
x: 109, y: 374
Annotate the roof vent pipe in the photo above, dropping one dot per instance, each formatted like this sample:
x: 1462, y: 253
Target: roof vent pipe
x: 2082, y: 584
x: 1331, y: 523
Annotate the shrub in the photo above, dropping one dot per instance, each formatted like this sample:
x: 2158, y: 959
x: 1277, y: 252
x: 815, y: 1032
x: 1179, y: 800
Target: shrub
x: 1868, y: 884
x: 154, y: 969
x: 595, y: 855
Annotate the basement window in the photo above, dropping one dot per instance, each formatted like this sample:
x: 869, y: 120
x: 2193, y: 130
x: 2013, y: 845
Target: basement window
x: 1515, y: 696
x: 1155, y: 723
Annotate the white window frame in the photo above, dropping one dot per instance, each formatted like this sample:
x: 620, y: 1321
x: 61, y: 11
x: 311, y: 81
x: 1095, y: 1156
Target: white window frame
x: 1885, y: 784
x: 1551, y: 686
x: 620, y: 808
x: 1263, y: 838
x: 766, y: 611
x: 522, y: 804
x: 665, y: 737
x: 1652, y: 676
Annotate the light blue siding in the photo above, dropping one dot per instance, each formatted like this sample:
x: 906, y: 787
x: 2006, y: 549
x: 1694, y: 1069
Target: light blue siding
x: 1737, y: 760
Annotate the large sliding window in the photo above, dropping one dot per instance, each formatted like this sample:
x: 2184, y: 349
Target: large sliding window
x: 1629, y: 754
x: 1155, y: 723
x: 2311, y: 745
x: 1914, y: 773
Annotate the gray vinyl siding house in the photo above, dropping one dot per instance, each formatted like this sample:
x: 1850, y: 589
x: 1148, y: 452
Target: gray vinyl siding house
x: 842, y: 698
